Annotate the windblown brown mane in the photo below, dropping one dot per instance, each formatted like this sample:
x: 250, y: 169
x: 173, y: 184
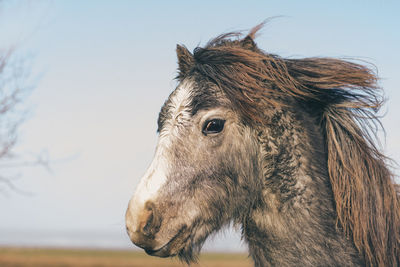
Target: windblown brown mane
x: 347, y: 98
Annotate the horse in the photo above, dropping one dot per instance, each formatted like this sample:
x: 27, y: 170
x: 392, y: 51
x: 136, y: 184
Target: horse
x: 285, y: 148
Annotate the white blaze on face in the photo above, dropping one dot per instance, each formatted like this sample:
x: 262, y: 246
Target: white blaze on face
x: 156, y: 175
x: 178, y: 111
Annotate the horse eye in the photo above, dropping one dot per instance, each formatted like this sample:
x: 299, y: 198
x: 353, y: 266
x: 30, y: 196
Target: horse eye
x: 213, y: 126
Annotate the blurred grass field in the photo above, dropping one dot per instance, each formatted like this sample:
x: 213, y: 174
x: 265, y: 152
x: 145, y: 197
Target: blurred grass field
x: 88, y: 257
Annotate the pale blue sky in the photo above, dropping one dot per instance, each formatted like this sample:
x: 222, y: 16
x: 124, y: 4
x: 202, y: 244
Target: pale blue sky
x: 103, y: 69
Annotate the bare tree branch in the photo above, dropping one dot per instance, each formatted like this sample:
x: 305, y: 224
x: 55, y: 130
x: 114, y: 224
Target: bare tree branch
x: 13, y: 90
x: 14, y: 76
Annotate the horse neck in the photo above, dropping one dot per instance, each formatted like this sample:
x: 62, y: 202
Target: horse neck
x: 294, y: 221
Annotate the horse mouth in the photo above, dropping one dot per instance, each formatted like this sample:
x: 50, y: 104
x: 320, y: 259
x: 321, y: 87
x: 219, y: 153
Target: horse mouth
x: 172, y: 247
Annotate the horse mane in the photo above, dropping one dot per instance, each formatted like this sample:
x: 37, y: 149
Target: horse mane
x: 347, y: 98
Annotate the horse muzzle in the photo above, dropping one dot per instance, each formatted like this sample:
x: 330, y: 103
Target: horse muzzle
x: 143, y: 225
x: 143, y: 228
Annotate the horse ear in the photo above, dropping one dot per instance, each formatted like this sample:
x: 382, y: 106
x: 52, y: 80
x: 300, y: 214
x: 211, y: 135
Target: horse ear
x: 248, y: 43
x: 185, y: 60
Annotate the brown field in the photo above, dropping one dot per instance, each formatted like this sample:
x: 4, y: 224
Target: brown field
x: 85, y: 257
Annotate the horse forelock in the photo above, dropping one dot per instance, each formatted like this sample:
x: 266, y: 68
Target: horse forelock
x: 346, y: 96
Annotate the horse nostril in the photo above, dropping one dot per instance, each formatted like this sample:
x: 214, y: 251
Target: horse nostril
x: 150, y: 221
